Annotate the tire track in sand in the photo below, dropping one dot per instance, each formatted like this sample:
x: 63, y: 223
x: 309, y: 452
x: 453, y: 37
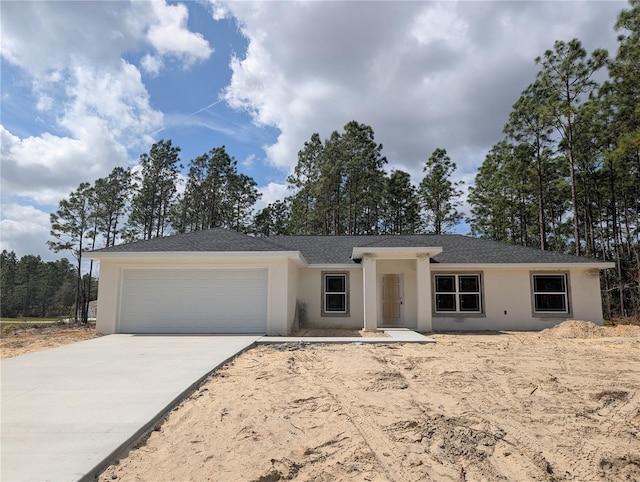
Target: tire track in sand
x: 359, y: 418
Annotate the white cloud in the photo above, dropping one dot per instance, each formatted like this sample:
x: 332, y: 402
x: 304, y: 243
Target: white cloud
x: 107, y: 111
x: 45, y: 102
x: 440, y: 23
x: 25, y: 230
x: 270, y: 193
x: 97, y: 102
x: 249, y: 161
x: 219, y: 11
x: 45, y: 36
x: 170, y: 36
x: 47, y: 168
x: 73, y: 52
x: 151, y: 64
x: 113, y: 102
x: 422, y: 74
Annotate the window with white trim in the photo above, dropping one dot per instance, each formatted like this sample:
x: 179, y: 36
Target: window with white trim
x: 335, y: 287
x: 457, y: 293
x: 550, y: 293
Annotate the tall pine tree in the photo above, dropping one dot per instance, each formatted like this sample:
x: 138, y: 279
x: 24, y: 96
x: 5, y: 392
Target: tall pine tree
x: 439, y: 194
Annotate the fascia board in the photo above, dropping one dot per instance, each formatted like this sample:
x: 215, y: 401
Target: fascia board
x: 335, y: 266
x: 394, y: 252
x: 295, y: 255
x: 544, y: 266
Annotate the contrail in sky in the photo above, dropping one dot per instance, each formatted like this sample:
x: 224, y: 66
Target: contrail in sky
x: 206, y: 107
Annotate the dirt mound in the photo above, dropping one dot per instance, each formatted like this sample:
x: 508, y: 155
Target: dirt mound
x: 576, y: 329
x: 626, y: 330
x: 587, y: 329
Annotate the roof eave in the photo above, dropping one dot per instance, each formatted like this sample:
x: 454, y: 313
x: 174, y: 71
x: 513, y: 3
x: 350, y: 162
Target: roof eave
x: 395, y: 252
x: 296, y: 256
x: 546, y: 266
x: 335, y: 266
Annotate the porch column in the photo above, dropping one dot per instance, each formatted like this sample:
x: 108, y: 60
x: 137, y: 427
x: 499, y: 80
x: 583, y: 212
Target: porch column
x: 369, y: 281
x: 423, y: 281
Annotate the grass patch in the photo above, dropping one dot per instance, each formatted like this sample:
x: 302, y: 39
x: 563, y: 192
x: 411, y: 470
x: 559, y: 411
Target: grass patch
x: 11, y: 325
x: 32, y: 320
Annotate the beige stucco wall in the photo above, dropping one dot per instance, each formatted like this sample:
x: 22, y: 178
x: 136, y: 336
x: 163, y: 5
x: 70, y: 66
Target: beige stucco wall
x: 292, y: 295
x: 504, y: 290
x: 585, y: 290
x: 282, y: 278
x: 310, y: 293
x: 277, y: 304
x: 108, y: 297
x: 507, y: 297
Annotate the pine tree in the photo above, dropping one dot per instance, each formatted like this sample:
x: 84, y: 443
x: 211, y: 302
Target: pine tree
x: 530, y: 124
x: 241, y: 196
x: 305, y: 181
x: 272, y: 220
x: 203, y: 205
x: 566, y: 79
x: 71, y: 228
x: 155, y: 195
x: 362, y: 163
x: 401, y: 208
x: 440, y: 198
x: 111, y: 198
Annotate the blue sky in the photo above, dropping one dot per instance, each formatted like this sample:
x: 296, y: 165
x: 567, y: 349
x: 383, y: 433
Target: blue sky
x: 87, y: 86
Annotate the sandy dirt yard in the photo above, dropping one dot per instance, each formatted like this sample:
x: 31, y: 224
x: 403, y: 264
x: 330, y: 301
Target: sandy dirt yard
x: 563, y: 404
x: 35, y: 338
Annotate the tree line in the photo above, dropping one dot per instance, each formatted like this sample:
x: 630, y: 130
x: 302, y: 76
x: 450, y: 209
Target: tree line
x: 339, y: 186
x: 34, y: 288
x: 566, y: 175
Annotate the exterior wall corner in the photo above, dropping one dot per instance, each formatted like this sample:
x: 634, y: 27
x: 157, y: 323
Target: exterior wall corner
x: 423, y: 280
x: 108, y: 298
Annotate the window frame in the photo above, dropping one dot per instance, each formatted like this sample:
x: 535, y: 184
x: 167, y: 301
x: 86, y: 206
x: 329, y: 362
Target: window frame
x: 566, y: 293
x: 458, y: 313
x: 345, y: 293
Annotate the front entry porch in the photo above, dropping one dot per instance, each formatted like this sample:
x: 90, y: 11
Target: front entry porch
x: 396, y: 287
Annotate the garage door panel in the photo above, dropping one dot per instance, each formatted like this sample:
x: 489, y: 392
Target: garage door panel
x: 194, y: 301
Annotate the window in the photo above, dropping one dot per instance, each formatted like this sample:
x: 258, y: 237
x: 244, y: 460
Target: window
x: 457, y: 293
x: 550, y: 294
x: 334, y: 293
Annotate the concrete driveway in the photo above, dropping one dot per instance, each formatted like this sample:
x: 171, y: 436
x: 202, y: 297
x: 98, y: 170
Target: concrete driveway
x: 66, y: 411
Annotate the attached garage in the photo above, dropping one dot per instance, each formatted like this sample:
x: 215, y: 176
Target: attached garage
x: 193, y: 301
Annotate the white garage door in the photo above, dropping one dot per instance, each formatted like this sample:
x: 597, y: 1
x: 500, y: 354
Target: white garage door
x: 194, y: 301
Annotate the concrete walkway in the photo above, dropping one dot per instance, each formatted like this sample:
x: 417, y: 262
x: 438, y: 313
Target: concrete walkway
x: 396, y: 335
x: 67, y: 410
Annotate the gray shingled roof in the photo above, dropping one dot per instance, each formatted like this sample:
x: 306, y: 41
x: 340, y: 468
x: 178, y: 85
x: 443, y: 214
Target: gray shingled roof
x: 216, y: 239
x: 338, y: 249
x: 455, y: 248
